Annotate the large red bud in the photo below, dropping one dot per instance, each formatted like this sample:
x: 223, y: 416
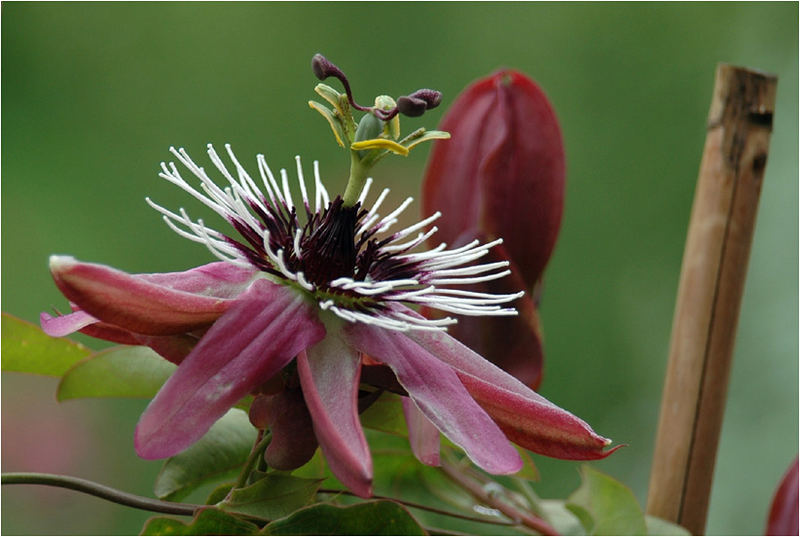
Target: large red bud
x: 784, y: 513
x: 502, y: 171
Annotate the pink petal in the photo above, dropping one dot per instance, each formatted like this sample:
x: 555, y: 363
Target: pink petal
x: 139, y: 303
x: 439, y: 394
x: 219, y: 279
x: 109, y: 332
x: 261, y: 333
x: 422, y: 434
x: 81, y: 321
x: 329, y: 373
x: 63, y: 325
x: 527, y: 418
x: 173, y: 348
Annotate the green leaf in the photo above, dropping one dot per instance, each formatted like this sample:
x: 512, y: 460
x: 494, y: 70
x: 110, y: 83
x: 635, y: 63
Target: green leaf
x: 369, y: 518
x: 121, y: 371
x: 606, y: 506
x: 27, y: 349
x: 206, y: 522
x: 386, y: 415
x: 562, y: 519
x: 529, y: 470
x: 275, y: 496
x: 218, y: 454
x: 219, y: 493
x: 659, y: 526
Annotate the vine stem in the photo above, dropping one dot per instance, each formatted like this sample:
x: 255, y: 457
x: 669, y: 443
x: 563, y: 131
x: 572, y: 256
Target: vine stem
x: 101, y: 491
x: 486, y: 497
x: 171, y: 508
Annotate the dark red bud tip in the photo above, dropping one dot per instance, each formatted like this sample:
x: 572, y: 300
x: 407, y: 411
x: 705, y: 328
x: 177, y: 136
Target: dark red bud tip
x: 322, y: 67
x: 431, y: 97
x: 783, y: 516
x: 411, y: 106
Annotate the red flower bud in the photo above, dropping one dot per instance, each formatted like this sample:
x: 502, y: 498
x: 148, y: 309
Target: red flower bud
x: 783, y: 515
x: 285, y: 413
x: 501, y: 175
x: 502, y: 171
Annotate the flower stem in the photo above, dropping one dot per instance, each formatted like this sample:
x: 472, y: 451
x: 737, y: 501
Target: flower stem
x: 355, y: 183
x: 262, y: 441
x: 100, y: 491
x: 484, y: 496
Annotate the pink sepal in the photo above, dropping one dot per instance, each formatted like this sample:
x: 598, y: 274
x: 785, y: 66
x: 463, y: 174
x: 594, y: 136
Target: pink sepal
x: 148, y: 304
x: 64, y: 325
x: 422, y: 434
x: 439, y: 394
x: 527, y: 418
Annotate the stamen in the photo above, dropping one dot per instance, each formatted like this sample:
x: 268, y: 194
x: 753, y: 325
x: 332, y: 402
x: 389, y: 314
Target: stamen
x: 411, y: 229
x: 321, y: 193
x: 248, y: 185
x: 267, y: 178
x: 391, y: 218
x: 297, y: 252
x: 287, y: 195
x: 484, y: 297
x: 282, y: 265
x: 302, y: 182
x: 464, y: 281
x: 364, y: 191
x: 411, y: 244
x: 431, y: 322
x: 301, y: 279
x: 335, y: 247
x: 474, y: 269
x: 412, y: 295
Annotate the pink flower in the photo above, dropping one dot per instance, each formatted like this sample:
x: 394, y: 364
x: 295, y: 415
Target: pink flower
x: 316, y: 292
x: 501, y: 175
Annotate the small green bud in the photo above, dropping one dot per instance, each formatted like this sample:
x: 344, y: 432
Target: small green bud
x: 368, y: 128
x: 384, y: 102
x: 392, y: 125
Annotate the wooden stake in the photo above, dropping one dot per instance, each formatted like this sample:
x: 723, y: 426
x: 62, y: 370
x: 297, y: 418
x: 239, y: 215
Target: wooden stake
x: 709, y: 295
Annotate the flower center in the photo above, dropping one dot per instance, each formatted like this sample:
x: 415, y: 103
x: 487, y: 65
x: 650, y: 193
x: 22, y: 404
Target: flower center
x: 333, y: 245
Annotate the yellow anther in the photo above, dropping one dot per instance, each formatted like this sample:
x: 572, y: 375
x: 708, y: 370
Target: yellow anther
x: 380, y: 143
x: 332, y: 121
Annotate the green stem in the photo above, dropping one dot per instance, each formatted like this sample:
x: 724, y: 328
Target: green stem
x: 492, y: 500
x: 424, y: 507
x: 258, y: 450
x: 101, y: 491
x: 356, y: 181
x: 527, y: 491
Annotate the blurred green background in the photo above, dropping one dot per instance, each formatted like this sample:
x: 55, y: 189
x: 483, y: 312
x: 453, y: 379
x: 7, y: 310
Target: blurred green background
x: 94, y: 94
